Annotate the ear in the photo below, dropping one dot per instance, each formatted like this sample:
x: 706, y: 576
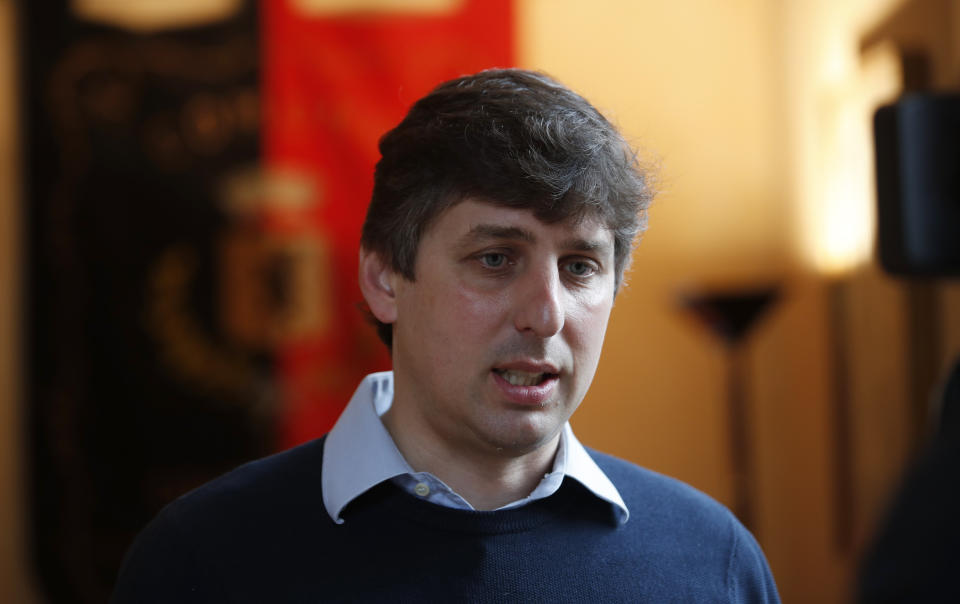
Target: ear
x: 377, y: 284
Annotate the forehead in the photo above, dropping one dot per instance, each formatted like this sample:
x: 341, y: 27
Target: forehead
x: 475, y: 221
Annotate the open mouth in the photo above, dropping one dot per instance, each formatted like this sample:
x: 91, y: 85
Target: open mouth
x: 523, y: 378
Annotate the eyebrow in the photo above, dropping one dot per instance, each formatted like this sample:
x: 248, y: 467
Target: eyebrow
x: 483, y: 232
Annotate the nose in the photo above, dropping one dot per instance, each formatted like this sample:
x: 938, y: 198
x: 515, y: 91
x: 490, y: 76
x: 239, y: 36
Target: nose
x: 540, y: 309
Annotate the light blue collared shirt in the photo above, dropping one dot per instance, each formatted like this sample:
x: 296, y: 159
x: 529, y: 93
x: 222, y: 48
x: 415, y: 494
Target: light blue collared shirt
x: 359, y: 454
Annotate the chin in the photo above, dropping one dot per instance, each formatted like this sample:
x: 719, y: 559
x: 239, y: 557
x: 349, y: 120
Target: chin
x: 520, y: 440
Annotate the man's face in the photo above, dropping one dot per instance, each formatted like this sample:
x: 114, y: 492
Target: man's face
x: 498, y: 338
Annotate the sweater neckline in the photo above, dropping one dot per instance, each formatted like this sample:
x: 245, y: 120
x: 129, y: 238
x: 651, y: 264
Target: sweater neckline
x: 391, y: 501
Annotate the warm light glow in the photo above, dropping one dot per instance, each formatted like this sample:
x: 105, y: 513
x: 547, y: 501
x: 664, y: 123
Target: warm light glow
x: 838, y: 59
x: 849, y: 208
x: 151, y: 15
x: 837, y: 216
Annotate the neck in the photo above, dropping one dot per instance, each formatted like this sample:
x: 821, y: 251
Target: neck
x: 486, y: 479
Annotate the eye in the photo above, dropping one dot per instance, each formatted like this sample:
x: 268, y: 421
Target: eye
x: 493, y: 260
x: 581, y: 268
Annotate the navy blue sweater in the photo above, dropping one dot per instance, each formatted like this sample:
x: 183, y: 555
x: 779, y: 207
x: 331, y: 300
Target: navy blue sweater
x: 262, y: 534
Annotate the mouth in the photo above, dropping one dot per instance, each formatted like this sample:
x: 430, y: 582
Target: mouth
x: 532, y: 384
x: 516, y: 377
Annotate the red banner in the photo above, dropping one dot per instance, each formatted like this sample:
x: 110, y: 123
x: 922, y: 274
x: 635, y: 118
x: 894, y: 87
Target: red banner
x: 332, y: 85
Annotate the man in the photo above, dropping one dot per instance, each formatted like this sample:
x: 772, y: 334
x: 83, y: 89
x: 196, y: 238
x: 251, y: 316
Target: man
x: 502, y: 219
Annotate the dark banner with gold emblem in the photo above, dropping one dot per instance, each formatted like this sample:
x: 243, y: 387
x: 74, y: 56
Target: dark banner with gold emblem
x: 139, y: 388
x: 197, y: 172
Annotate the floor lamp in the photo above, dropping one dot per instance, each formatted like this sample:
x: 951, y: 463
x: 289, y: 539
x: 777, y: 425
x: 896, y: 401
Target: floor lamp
x: 731, y: 315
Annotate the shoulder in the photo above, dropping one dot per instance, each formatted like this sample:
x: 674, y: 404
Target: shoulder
x: 285, y: 479
x: 205, y: 535
x: 648, y: 492
x: 254, y: 522
x: 690, y: 530
x: 255, y: 499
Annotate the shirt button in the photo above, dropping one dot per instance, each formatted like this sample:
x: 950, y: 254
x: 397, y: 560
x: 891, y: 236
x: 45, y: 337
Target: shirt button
x: 421, y: 489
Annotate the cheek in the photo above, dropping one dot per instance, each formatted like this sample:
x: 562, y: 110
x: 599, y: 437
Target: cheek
x: 455, y: 322
x: 588, y: 320
x: 476, y: 308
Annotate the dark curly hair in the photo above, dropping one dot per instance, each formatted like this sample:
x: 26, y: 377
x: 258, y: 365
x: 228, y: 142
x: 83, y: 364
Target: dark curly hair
x: 515, y: 138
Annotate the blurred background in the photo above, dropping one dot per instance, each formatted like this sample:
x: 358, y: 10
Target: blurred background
x: 182, y: 184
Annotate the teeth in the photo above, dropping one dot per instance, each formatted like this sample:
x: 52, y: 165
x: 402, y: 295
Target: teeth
x: 521, y: 378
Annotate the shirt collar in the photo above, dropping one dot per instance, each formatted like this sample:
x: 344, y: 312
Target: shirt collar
x: 349, y: 470
x: 581, y: 467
